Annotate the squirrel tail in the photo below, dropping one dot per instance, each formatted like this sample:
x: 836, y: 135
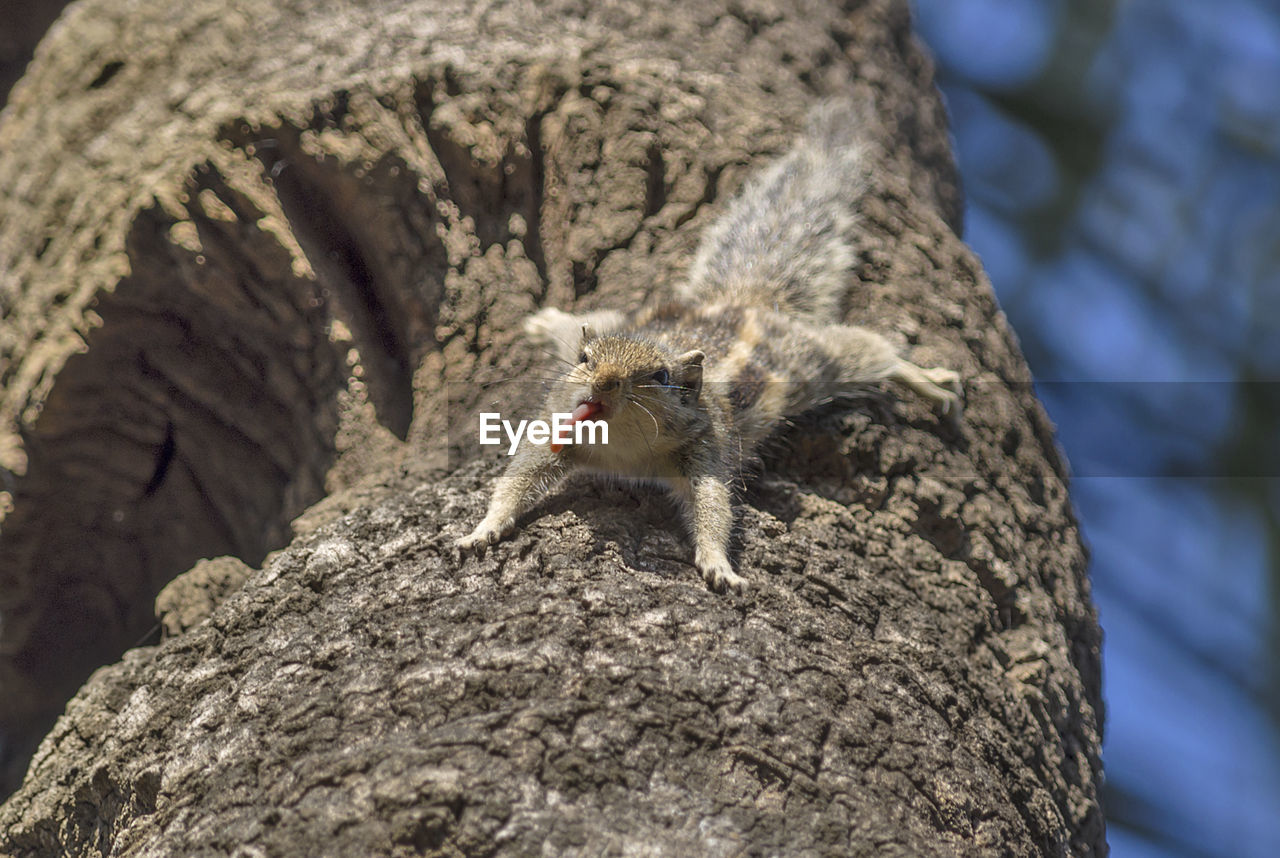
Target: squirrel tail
x: 785, y: 240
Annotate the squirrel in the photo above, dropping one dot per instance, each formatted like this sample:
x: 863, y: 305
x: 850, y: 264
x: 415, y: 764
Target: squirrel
x: 690, y: 388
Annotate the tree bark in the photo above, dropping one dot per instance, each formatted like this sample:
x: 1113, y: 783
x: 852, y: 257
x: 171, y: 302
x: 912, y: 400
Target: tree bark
x: 257, y: 260
x: 25, y: 21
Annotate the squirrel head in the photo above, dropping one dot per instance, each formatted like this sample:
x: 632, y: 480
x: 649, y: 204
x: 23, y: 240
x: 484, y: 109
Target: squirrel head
x: 644, y: 390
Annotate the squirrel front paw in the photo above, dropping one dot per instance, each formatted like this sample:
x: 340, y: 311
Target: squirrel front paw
x: 718, y: 574
x: 486, y: 533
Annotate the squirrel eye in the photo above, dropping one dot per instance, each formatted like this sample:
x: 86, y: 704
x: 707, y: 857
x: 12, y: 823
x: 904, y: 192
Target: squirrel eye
x: 662, y: 376
x: 582, y: 358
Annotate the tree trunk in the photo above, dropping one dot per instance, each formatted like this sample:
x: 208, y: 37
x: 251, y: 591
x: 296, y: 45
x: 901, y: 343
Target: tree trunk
x: 25, y: 21
x: 253, y: 257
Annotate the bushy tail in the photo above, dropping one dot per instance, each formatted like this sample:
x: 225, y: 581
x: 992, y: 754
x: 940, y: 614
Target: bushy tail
x: 785, y: 240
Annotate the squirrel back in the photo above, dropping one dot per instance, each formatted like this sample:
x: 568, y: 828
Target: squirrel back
x: 785, y: 241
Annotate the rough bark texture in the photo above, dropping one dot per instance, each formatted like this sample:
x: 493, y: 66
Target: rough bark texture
x: 22, y: 23
x: 256, y: 256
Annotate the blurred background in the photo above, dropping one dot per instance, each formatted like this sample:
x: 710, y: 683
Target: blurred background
x: 1121, y: 161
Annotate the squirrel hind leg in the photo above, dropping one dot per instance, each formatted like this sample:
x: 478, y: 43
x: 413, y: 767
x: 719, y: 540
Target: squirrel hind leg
x: 863, y: 356
x: 561, y: 332
x: 939, y: 385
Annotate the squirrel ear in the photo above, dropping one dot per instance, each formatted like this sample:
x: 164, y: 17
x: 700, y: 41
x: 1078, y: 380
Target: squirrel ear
x: 693, y: 358
x: 691, y: 371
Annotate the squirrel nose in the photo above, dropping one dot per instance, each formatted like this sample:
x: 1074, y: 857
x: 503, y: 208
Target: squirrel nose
x: 607, y: 379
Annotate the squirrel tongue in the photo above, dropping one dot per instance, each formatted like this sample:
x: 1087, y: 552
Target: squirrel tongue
x: 584, y: 411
